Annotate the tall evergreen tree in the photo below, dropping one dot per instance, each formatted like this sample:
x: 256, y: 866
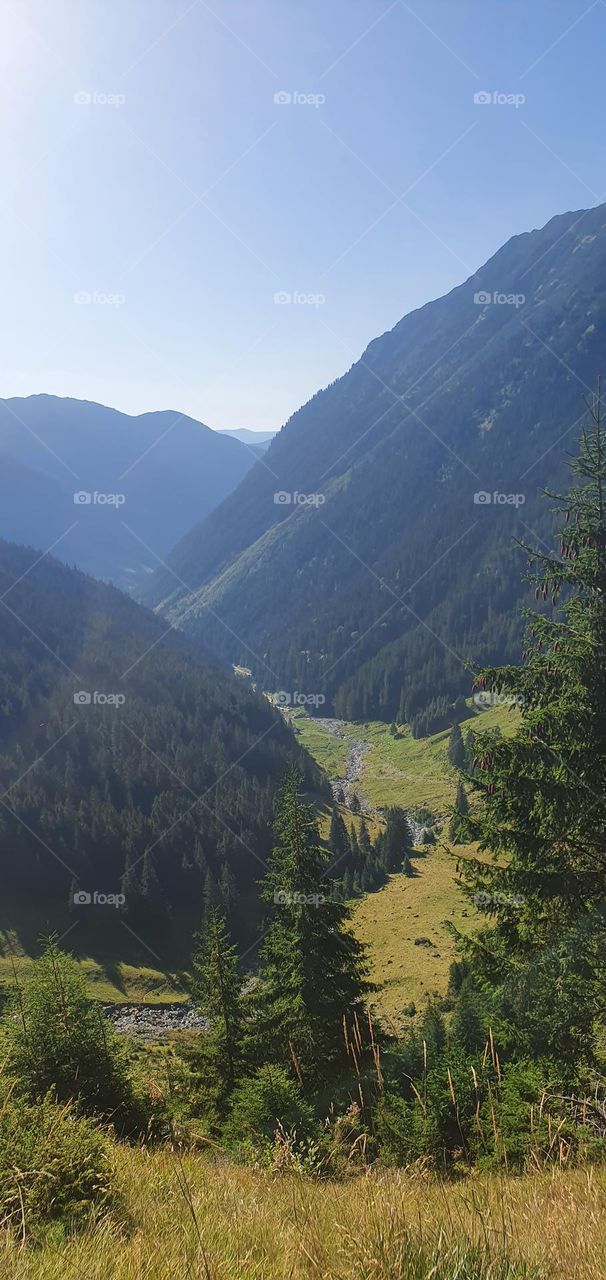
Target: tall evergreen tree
x: 339, y: 843
x: 542, y: 814
x: 312, y: 967
x: 395, y: 842
x: 216, y: 991
x: 456, y: 747
x: 461, y: 809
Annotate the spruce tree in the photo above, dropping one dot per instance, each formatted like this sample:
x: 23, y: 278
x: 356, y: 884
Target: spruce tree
x: 395, y: 842
x: 312, y: 970
x: 339, y: 843
x: 542, y: 792
x: 456, y: 748
x: 216, y: 991
x: 461, y: 809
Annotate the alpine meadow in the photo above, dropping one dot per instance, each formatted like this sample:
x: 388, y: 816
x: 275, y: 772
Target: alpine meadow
x: 303, y: 641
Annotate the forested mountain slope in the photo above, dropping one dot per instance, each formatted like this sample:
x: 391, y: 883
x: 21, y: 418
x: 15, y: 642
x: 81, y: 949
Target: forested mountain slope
x: 377, y: 591
x: 127, y: 764
x: 114, y: 492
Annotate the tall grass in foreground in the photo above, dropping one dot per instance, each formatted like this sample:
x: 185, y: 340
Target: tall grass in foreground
x: 195, y: 1219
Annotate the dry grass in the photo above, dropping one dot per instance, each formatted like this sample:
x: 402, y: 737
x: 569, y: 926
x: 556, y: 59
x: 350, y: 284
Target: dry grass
x: 196, y: 1219
x: 405, y: 909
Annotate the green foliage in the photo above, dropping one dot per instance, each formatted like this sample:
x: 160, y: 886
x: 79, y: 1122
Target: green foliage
x: 119, y: 781
x: 267, y: 1101
x: 456, y: 748
x: 312, y: 970
x: 394, y: 844
x: 54, y: 1166
x: 541, y: 814
x: 458, y: 827
x: 216, y: 991
x: 60, y: 1041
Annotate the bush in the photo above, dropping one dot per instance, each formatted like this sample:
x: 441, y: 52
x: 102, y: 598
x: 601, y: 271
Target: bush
x: 54, y: 1167
x: 266, y: 1103
x: 59, y: 1040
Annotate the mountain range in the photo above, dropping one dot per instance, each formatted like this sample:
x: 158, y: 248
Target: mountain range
x: 368, y: 558
x: 259, y: 440
x: 109, y: 492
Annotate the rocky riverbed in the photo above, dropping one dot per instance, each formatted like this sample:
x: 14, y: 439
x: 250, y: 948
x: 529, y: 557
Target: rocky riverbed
x: 349, y: 784
x: 154, y: 1021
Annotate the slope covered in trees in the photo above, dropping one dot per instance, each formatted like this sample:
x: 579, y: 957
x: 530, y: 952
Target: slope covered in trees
x: 376, y: 591
x: 128, y: 766
x: 110, y: 492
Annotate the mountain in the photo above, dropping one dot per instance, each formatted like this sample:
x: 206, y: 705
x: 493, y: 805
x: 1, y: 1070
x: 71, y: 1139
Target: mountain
x: 142, y: 481
x: 250, y: 437
x: 356, y: 563
x: 127, y: 764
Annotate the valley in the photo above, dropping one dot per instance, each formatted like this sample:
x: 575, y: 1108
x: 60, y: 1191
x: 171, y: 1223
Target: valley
x: 303, y: 714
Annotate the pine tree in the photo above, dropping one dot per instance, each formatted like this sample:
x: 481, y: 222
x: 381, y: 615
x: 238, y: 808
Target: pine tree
x: 312, y: 967
x: 470, y: 749
x: 216, y: 991
x: 461, y: 809
x: 339, y: 844
x: 542, y: 814
x: 456, y: 748
x: 395, y: 843
x: 58, y: 1039
x: 469, y: 1027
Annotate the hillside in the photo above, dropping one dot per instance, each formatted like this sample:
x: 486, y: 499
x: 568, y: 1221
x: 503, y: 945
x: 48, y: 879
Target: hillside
x: 160, y: 471
x: 376, y: 586
x: 404, y: 924
x: 128, y: 767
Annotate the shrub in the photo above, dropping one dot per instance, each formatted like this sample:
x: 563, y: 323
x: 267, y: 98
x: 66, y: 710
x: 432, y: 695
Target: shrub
x: 55, y: 1166
x: 60, y: 1040
x: 268, y: 1102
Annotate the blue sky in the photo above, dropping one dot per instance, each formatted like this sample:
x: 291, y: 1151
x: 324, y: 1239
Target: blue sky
x: 156, y: 197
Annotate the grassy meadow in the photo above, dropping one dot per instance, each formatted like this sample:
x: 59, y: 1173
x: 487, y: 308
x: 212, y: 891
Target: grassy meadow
x: 406, y: 771
x: 406, y: 909
x: 198, y: 1218
x: 413, y: 773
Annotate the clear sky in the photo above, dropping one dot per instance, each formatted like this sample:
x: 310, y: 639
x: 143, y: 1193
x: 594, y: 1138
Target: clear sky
x: 179, y: 197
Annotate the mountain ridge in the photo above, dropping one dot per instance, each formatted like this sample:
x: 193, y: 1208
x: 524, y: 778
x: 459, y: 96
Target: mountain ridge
x: 468, y: 393
x: 162, y: 470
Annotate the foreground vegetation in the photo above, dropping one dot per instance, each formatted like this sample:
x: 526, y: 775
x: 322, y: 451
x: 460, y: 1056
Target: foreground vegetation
x: 198, y: 1217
